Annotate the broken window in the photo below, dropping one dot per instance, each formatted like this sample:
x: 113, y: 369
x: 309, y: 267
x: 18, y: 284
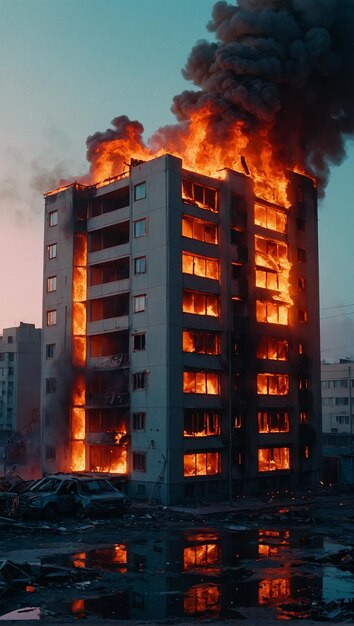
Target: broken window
x: 139, y: 421
x: 271, y: 459
x: 52, y: 251
x: 139, y: 462
x: 51, y: 283
x: 53, y: 218
x: 139, y: 303
x: 201, y: 342
x: 49, y: 350
x: 200, y: 303
x: 140, y: 191
x: 140, y: 228
x: 201, y: 382
x: 272, y: 348
x: 271, y: 218
x: 51, y: 317
x: 50, y: 385
x: 139, y: 380
x: 140, y: 265
x: 195, y: 228
x: 272, y: 312
x: 200, y: 265
x: 273, y: 421
x: 139, y: 341
x: 203, y: 197
x: 107, y: 459
x: 201, y: 423
x: 273, y: 384
x: 202, y: 464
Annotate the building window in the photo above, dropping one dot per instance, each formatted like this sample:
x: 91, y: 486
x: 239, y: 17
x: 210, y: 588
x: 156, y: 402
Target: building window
x: 272, y: 312
x: 271, y: 251
x: 304, y: 417
x: 51, y: 284
x: 201, y: 342
x: 201, y: 423
x: 10, y: 356
x: 201, y: 382
x: 140, y: 265
x: 139, y: 380
x: 50, y: 453
x: 200, y: 303
x: 273, y: 421
x: 10, y: 339
x: 301, y: 255
x: 11, y: 371
x: 273, y: 384
x: 300, y: 224
x: 51, y: 317
x: 52, y: 251
x: 270, y: 279
x: 194, y: 228
x: 203, y: 197
x: 325, y: 384
x: 200, y: 266
x: 139, y: 421
x: 202, y: 464
x: 304, y: 383
x: 271, y: 459
x: 139, y: 462
x: 2, y: 356
x: 341, y: 401
x: 53, y: 218
x: 272, y: 348
x: 301, y: 283
x: 140, y: 191
x: 302, y: 315
x: 139, y: 341
x: 49, y: 350
x: 50, y: 385
x: 270, y: 218
x: 139, y: 303
x: 237, y: 420
x: 140, y: 228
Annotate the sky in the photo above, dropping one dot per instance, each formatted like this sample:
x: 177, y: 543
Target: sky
x: 67, y: 68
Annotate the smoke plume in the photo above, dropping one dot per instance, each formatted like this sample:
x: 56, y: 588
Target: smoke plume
x: 278, y: 81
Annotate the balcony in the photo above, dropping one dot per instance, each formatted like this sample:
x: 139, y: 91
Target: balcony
x: 114, y: 361
x: 108, y: 399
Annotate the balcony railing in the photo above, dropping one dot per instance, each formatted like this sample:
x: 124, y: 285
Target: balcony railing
x: 108, y: 399
x: 113, y: 361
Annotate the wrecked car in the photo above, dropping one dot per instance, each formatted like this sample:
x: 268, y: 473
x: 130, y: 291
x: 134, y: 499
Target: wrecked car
x: 68, y: 494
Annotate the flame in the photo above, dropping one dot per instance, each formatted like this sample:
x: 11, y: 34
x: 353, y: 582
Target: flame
x: 201, y: 464
x: 202, y: 556
x: 77, y: 606
x: 273, y: 590
x: 272, y: 459
x: 202, y: 598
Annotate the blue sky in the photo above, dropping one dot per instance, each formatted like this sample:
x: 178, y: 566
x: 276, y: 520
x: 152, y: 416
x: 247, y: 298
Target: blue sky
x: 67, y: 68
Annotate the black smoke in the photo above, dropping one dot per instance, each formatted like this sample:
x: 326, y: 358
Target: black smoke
x: 284, y: 68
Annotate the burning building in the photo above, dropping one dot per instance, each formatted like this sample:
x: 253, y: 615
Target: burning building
x: 181, y: 332
x: 181, y: 318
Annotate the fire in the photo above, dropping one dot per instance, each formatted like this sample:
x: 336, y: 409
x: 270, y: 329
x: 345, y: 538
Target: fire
x: 273, y: 590
x: 202, y: 556
x: 202, y: 598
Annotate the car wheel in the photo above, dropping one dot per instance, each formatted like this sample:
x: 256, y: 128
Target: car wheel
x: 51, y: 511
x: 80, y: 511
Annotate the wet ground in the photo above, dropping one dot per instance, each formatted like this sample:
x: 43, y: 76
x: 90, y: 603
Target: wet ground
x: 276, y: 559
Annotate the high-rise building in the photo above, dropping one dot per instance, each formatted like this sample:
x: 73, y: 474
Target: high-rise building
x: 20, y: 382
x: 181, y: 333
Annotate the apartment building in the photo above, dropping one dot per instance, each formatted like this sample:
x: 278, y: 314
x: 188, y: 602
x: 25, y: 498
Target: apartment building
x: 181, y: 333
x: 337, y: 382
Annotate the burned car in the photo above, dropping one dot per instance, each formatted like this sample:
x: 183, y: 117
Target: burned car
x: 70, y: 494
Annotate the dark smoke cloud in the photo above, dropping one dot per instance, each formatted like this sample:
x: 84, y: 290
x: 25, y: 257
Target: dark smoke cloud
x: 285, y: 68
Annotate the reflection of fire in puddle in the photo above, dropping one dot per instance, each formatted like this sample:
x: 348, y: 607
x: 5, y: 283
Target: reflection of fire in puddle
x: 115, y: 606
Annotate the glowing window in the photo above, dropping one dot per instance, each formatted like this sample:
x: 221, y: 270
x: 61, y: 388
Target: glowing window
x: 301, y: 282
x: 201, y: 382
x: 201, y: 342
x: 201, y: 599
x: 200, y: 266
x: 201, y: 423
x: 203, y: 197
x: 270, y: 279
x: 273, y: 421
x: 271, y: 459
x: 273, y: 590
x: 195, y: 228
x: 272, y: 348
x: 53, y: 218
x: 202, y: 464
x: 200, y: 303
x: 237, y: 420
x: 270, y: 218
x: 273, y: 384
x: 52, y: 251
x: 302, y: 315
x: 201, y: 555
x: 51, y: 284
x: 272, y: 312
x: 304, y: 417
x: 51, y: 317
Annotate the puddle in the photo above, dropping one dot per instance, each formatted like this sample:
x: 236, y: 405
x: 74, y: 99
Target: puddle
x: 206, y: 574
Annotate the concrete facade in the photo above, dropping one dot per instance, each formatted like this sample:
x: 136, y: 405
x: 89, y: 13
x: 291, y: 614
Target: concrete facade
x: 185, y: 328
x: 337, y: 382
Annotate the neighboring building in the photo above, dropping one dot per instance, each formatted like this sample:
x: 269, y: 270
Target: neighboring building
x: 337, y: 382
x: 174, y: 350
x: 20, y: 379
